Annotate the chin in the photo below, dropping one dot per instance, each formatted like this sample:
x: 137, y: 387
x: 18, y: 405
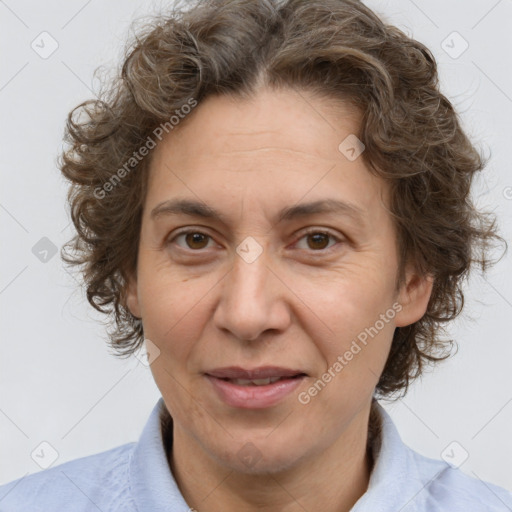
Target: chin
x: 261, y: 456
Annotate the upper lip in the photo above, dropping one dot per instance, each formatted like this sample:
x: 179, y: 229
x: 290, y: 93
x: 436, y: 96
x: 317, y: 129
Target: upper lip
x: 262, y: 372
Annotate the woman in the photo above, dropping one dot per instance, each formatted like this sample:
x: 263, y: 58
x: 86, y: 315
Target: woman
x: 275, y: 197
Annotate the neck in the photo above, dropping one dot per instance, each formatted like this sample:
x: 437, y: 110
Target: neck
x: 332, y: 480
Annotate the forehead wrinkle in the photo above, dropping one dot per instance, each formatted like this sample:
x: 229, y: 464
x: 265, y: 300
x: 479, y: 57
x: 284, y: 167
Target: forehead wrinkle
x: 276, y: 148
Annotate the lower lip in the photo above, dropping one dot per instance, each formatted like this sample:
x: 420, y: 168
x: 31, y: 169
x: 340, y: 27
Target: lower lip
x: 254, y: 397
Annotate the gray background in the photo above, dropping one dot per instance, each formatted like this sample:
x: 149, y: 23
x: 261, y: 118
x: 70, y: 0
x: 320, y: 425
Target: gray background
x: 58, y: 382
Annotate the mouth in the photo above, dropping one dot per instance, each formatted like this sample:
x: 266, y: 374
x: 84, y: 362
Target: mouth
x: 254, y: 374
x: 254, y: 389
x: 260, y: 382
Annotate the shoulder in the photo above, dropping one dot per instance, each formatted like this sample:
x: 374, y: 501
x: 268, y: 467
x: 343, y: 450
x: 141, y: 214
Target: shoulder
x: 449, y: 488
x: 408, y: 481
x: 98, y: 481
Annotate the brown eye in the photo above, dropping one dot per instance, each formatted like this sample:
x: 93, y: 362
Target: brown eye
x: 195, y: 240
x: 318, y: 240
x: 191, y: 240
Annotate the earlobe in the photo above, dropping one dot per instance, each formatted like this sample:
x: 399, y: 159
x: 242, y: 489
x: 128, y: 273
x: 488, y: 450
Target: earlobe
x: 414, y: 297
x: 132, y: 299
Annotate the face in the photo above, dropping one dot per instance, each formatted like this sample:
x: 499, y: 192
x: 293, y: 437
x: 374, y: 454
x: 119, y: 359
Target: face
x: 263, y: 247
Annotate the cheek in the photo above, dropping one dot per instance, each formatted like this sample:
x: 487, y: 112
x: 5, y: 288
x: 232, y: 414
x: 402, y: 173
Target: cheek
x: 174, y: 308
x: 352, y: 325
x: 346, y: 300
x: 353, y: 367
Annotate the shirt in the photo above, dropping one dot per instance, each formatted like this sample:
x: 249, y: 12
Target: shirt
x: 136, y: 477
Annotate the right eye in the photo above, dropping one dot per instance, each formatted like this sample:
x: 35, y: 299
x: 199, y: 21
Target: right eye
x: 192, y: 240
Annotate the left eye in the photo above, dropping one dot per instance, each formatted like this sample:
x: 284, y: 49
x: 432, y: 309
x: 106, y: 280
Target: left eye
x: 317, y: 240
x: 314, y: 240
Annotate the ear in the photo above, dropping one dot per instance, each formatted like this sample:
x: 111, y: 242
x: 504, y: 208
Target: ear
x: 413, y: 297
x: 132, y: 298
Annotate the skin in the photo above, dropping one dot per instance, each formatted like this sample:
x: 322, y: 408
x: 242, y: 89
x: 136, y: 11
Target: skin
x: 299, y: 305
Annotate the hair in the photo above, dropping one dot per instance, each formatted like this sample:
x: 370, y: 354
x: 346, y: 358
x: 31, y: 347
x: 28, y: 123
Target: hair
x: 335, y: 49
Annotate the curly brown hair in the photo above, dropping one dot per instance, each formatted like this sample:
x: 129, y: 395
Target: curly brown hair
x: 338, y: 49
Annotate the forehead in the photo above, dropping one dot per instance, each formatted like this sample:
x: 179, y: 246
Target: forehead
x: 276, y: 147
x: 292, y: 119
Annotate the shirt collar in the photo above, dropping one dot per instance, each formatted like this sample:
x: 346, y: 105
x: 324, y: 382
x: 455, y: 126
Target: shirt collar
x: 152, y: 483
x: 394, y: 469
x: 154, y: 487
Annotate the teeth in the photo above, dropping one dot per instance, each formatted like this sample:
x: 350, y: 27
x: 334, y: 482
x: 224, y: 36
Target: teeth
x: 255, y: 382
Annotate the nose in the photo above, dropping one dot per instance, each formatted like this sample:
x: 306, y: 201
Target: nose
x: 253, y: 301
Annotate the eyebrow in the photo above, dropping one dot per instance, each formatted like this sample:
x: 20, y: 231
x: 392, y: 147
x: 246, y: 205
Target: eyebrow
x: 198, y: 209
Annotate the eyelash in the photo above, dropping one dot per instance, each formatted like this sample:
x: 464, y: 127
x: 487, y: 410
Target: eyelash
x: 304, y: 235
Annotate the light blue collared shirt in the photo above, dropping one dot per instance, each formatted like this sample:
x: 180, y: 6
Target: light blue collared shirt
x: 135, y: 477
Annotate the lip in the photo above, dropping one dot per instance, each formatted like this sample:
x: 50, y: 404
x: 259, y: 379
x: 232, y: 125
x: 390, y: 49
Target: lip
x: 254, y: 397
x: 262, y: 372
